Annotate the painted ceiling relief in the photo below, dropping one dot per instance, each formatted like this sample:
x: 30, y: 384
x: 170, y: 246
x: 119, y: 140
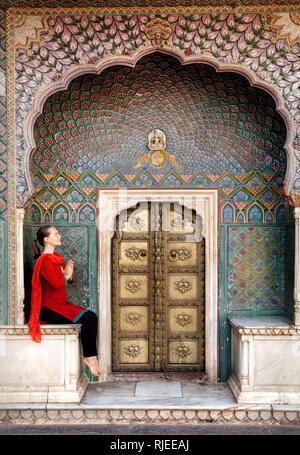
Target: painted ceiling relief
x: 213, y: 121
x: 160, y: 124
x: 50, y: 47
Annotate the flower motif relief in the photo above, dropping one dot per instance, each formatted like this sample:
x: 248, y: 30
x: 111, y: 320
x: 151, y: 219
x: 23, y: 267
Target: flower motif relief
x: 287, y: 26
x: 133, y: 350
x: 135, y: 254
x: 183, y: 351
x: 133, y: 318
x: 133, y: 285
x: 183, y: 286
x: 183, y: 319
x: 182, y: 254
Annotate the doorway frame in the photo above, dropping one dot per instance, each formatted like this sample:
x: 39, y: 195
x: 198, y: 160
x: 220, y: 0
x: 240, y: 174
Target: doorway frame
x: 205, y: 202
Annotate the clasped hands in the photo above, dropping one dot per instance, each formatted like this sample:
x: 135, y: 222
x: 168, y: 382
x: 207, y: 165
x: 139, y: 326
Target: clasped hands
x: 68, y: 270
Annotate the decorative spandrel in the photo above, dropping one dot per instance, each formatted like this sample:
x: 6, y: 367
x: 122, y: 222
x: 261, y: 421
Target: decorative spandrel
x: 158, y: 291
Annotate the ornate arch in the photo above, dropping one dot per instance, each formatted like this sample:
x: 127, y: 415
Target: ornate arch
x: 131, y: 61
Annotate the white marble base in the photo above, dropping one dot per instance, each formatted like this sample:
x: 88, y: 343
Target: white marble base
x: 158, y: 389
x: 50, y: 371
x: 265, y: 360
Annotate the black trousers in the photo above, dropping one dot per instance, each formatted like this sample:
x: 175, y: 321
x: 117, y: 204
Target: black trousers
x: 89, y: 324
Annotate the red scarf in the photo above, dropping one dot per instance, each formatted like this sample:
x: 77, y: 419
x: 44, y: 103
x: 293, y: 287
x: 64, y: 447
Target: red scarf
x: 36, y: 296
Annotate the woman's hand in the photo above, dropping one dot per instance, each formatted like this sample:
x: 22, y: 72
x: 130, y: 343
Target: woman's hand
x: 68, y: 270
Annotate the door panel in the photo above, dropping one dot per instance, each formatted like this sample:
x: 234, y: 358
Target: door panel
x: 183, y: 320
x: 133, y: 253
x: 158, y: 290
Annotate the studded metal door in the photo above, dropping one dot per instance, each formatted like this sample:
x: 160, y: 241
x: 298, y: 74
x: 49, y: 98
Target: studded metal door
x: 158, y: 290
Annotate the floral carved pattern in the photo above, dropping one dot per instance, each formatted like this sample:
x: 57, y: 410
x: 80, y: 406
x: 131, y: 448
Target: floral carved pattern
x: 183, y: 286
x: 183, y: 319
x: 181, y: 254
x: 183, y: 351
x: 133, y: 318
x: 135, y: 254
x: 133, y: 350
x: 133, y: 285
x: 158, y: 30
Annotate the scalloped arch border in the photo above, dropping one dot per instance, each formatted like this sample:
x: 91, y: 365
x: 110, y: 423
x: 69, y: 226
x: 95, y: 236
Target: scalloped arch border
x: 184, y: 60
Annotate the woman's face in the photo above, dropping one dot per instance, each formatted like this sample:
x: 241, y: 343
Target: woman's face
x: 54, y: 238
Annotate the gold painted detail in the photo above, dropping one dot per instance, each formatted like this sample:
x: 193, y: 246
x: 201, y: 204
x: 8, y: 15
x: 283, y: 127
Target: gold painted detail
x: 183, y: 286
x: 287, y: 26
x: 29, y: 31
x: 181, y: 254
x: 133, y: 285
x: 183, y: 351
x: 133, y: 318
x: 136, y: 254
x: 158, y: 30
x: 133, y: 350
x: 183, y: 319
x: 295, y: 17
x: 158, y: 304
x: 157, y: 157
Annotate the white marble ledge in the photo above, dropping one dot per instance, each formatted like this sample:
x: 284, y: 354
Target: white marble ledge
x: 46, y: 329
x: 263, y: 325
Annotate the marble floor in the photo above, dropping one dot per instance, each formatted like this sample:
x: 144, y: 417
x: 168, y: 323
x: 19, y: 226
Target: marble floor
x: 151, y: 401
x: 154, y: 393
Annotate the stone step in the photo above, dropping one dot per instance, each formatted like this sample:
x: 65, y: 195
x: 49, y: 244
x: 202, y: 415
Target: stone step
x: 151, y: 402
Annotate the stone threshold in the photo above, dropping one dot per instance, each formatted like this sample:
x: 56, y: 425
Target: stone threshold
x: 141, y: 402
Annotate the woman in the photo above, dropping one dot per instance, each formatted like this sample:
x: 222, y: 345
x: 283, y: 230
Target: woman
x: 49, y: 298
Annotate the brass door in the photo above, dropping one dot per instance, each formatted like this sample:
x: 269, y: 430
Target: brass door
x: 158, y: 290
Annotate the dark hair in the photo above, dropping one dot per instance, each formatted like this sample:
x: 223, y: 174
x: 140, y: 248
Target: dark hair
x: 40, y: 235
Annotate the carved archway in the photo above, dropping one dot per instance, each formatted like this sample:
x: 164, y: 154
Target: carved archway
x: 131, y: 61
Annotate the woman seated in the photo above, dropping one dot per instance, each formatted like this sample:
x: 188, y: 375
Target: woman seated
x: 49, y: 298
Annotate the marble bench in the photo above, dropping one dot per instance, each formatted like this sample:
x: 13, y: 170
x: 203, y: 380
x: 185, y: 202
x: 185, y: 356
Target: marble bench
x: 50, y: 371
x: 265, y: 353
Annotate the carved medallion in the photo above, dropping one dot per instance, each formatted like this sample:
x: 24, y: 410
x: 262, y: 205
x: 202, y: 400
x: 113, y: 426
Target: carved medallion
x: 158, y: 30
x: 183, y: 319
x: 133, y: 350
x: 136, y: 254
x: 181, y: 254
x: 133, y: 318
x: 183, y: 286
x: 183, y: 351
x: 133, y: 285
x: 157, y: 157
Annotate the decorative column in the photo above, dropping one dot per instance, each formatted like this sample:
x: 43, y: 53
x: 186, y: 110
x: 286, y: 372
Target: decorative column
x: 297, y: 267
x: 19, y: 313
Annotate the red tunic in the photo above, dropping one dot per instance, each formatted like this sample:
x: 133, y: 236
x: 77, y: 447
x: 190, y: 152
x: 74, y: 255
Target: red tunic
x: 49, y: 290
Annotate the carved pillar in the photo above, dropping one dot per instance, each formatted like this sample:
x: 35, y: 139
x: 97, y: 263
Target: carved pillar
x: 19, y: 318
x: 297, y: 268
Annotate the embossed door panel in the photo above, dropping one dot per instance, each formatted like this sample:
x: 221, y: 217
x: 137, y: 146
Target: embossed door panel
x: 158, y: 290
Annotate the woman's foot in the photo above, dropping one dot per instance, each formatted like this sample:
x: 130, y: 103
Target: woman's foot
x: 93, y: 365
